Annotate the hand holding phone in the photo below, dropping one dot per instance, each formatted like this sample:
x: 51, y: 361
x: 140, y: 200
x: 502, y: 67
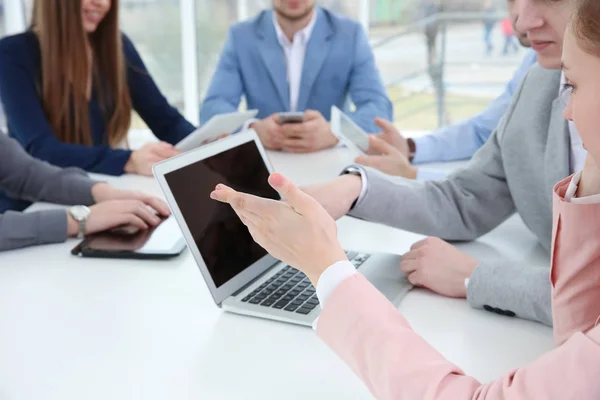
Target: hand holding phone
x: 290, y: 118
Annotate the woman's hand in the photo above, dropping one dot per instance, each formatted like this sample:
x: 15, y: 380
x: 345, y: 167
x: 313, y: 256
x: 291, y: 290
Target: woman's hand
x: 102, y: 192
x: 142, y: 160
x: 589, y: 184
x: 298, y: 232
x: 116, y: 214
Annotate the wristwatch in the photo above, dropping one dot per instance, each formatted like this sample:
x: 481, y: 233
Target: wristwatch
x: 81, y: 215
x: 352, y: 171
x: 412, y: 149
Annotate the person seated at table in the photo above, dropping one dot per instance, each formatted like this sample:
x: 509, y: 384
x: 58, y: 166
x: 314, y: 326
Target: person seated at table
x: 399, y: 156
x: 69, y: 85
x: 515, y: 171
x: 298, y: 57
x: 377, y: 342
x: 35, y: 180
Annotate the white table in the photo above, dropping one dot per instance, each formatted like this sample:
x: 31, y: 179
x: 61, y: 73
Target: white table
x: 91, y: 329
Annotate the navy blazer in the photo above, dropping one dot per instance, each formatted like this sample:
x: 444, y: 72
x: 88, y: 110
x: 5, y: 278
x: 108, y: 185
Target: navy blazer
x: 338, y: 66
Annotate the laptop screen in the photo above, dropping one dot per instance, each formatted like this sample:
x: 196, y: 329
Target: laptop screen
x: 223, y: 241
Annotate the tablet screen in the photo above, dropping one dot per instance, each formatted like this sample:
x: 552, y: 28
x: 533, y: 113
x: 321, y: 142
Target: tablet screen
x: 165, y: 239
x: 222, y: 239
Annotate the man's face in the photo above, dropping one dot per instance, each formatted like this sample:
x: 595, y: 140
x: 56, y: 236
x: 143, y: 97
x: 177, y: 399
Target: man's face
x: 514, y: 17
x: 293, y: 10
x: 545, y: 23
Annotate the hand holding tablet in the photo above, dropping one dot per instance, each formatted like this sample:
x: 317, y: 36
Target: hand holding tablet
x: 215, y: 128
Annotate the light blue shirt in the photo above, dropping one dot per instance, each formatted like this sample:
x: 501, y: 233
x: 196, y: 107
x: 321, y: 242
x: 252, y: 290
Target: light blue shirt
x: 460, y: 141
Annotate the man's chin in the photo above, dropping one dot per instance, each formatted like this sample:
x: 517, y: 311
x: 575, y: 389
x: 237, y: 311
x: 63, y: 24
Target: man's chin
x: 295, y: 16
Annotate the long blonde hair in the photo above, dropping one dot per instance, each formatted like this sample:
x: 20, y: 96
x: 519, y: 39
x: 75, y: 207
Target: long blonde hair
x: 66, y: 70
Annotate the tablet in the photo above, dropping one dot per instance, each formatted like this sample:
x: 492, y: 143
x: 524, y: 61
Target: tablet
x: 348, y: 132
x: 215, y: 127
x: 163, y: 241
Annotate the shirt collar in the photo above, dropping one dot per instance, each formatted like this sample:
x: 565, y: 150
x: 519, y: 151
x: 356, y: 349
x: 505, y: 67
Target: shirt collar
x: 304, y: 34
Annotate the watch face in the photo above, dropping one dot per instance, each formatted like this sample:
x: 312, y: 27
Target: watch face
x: 80, y: 212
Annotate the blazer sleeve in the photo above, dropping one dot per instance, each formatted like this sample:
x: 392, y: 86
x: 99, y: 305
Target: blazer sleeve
x: 18, y: 230
x: 375, y: 340
x: 366, y: 87
x: 163, y: 119
x: 30, y: 179
x: 226, y: 86
x: 29, y: 125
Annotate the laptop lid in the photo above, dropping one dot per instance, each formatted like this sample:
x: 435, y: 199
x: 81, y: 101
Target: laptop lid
x: 221, y: 245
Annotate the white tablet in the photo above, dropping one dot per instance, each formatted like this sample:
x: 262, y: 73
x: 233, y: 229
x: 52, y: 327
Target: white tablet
x: 348, y: 132
x: 215, y: 127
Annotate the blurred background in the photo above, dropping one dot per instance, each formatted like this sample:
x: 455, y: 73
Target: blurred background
x: 431, y: 53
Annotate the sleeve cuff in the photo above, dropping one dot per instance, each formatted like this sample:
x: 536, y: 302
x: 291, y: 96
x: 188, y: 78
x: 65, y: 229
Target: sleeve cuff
x: 248, y: 123
x: 424, y: 147
x: 330, y: 279
x: 364, y: 183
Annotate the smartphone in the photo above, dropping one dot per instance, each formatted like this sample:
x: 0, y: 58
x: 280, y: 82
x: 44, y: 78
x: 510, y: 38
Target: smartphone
x: 290, y: 118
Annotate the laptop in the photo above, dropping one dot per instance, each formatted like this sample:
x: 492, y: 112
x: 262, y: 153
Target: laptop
x: 240, y: 275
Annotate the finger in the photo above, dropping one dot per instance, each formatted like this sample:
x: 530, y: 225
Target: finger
x: 312, y: 114
x: 296, y: 143
x: 145, y: 214
x: 133, y: 220
x: 416, y: 278
x: 165, y: 150
x: 369, y: 161
x: 158, y: 205
x: 385, y: 125
x: 419, y: 244
x: 412, y: 255
x: 293, y: 130
x: 245, y: 204
x: 296, y: 198
x: 408, y: 266
x: 381, y: 146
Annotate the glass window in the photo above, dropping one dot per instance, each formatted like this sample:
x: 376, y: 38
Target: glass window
x: 428, y: 83
x: 154, y: 27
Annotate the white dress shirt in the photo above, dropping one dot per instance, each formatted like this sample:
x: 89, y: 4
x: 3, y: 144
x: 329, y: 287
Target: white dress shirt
x: 294, y: 60
x: 332, y: 277
x: 294, y: 56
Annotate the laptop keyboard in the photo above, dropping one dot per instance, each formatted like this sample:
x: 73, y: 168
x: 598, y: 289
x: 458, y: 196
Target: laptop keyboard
x: 290, y: 290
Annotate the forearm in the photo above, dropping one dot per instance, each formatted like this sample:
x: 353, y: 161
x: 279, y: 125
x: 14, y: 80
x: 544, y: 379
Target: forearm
x: 28, y: 178
x: 373, y: 338
x: 456, y: 142
x: 512, y: 289
x: 446, y: 209
x: 18, y: 230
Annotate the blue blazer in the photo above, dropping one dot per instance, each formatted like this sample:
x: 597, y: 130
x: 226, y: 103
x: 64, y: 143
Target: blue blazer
x: 338, y: 66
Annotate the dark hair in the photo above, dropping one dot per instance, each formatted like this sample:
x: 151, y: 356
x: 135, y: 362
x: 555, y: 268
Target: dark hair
x: 586, y: 25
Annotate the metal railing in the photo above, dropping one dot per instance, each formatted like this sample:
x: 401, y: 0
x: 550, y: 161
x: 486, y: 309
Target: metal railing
x: 437, y: 56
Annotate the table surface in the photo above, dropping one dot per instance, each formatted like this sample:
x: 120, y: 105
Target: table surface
x: 75, y: 328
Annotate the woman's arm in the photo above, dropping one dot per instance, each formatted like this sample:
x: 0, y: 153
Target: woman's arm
x: 18, y: 230
x: 164, y: 120
x: 27, y: 178
x: 373, y: 338
x: 28, y: 123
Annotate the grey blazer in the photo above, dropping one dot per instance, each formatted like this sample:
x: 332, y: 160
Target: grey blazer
x: 27, y: 178
x: 514, y: 171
